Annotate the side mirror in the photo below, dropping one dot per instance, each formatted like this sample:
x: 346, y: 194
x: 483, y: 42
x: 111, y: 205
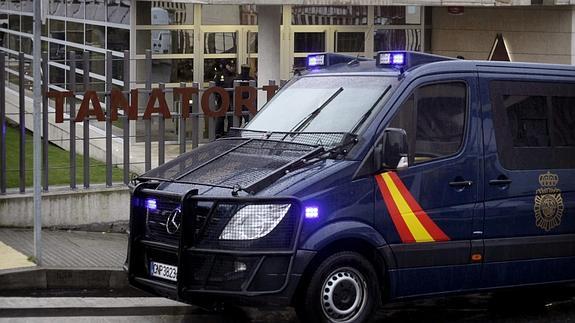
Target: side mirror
x: 392, y: 151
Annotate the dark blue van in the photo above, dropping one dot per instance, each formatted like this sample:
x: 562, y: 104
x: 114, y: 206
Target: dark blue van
x: 368, y: 181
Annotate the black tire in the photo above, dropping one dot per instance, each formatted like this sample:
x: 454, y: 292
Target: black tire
x: 343, y: 288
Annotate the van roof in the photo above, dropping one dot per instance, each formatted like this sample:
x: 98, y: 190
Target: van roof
x: 368, y: 67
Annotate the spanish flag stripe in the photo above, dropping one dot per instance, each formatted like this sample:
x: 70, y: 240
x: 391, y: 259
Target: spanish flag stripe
x: 417, y: 229
x: 430, y: 226
x: 398, y: 221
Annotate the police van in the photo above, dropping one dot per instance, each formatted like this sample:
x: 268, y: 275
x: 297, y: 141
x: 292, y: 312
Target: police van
x: 365, y: 181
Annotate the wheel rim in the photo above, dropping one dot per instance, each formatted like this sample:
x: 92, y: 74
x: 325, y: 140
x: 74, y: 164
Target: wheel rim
x: 343, y: 295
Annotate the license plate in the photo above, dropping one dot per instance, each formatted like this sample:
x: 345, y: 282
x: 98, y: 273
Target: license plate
x: 163, y: 271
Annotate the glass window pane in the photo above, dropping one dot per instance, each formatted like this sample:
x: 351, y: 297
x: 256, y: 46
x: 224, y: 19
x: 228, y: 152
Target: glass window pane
x: 397, y: 15
x: 57, y: 53
x: 528, y: 118
x: 252, y: 42
x: 27, y: 24
x: 95, y: 10
x: 15, y: 5
x: 14, y: 42
x: 397, y: 39
x: 563, y: 121
x: 57, y: 76
x: 3, y: 4
x: 167, y: 70
x: 14, y: 22
x: 119, y: 11
x: 118, y: 39
x: 164, y: 13
x: 75, y: 9
x: 349, y: 42
x: 434, y: 122
x: 26, y: 45
x: 58, y: 7
x: 27, y: 5
x: 97, y: 63
x: 309, y: 42
x: 329, y: 15
x: 75, y: 32
x: 165, y: 41
x: 214, y: 69
x: 95, y: 36
x: 221, y: 15
x: 220, y: 43
x: 299, y: 63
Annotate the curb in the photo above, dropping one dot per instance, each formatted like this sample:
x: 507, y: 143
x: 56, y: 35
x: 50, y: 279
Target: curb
x: 61, y: 278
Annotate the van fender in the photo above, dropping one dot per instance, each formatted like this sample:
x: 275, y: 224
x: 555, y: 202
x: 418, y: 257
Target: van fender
x: 343, y: 230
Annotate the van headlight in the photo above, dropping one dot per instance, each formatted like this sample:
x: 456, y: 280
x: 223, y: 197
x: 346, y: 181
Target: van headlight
x: 254, y: 221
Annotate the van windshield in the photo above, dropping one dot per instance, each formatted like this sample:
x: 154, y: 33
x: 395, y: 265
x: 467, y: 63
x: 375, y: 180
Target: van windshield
x: 323, y: 104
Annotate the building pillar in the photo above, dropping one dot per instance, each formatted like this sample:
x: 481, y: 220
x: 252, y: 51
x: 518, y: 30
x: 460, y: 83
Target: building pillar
x: 573, y: 36
x: 269, y: 24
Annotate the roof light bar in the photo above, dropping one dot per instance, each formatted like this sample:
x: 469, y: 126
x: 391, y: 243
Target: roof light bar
x: 406, y: 59
x: 323, y: 60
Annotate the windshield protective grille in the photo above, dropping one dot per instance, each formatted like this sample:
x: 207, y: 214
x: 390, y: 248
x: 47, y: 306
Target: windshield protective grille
x: 324, y: 139
x: 231, y: 162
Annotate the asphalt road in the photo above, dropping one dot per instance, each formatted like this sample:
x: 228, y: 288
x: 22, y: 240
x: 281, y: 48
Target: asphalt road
x: 541, y: 305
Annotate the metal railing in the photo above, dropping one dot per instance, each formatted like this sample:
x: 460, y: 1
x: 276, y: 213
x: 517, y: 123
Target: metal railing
x: 122, y: 141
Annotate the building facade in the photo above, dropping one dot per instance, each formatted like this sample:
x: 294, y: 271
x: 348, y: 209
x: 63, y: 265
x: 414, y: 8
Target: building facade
x: 188, y: 41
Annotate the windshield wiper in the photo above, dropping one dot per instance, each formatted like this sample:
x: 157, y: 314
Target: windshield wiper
x: 368, y: 112
x: 306, y: 121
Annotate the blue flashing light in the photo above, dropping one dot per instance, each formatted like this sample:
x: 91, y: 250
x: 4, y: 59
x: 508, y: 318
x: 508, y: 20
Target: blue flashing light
x: 406, y: 59
x: 316, y: 60
x: 151, y: 204
x: 311, y: 212
x: 398, y: 59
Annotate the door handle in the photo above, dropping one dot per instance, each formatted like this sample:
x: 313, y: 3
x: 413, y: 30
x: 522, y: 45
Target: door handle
x: 500, y: 182
x: 461, y: 183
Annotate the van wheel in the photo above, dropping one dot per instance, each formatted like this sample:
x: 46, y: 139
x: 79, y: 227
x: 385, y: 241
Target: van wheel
x: 344, y: 288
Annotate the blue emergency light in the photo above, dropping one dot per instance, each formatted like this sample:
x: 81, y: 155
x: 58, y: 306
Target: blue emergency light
x: 323, y: 60
x: 151, y: 204
x: 406, y: 59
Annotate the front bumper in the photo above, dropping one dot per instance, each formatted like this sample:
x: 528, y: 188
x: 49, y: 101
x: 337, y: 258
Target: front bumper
x: 211, y: 272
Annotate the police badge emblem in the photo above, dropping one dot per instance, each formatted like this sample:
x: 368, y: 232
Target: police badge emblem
x: 548, y: 202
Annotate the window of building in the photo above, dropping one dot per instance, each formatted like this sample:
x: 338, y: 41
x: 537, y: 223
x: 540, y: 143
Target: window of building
x: 329, y: 15
x: 309, y: 42
x: 164, y: 13
x: 95, y: 10
x: 397, y: 15
x: 164, y: 41
x: 119, y: 11
x: 349, y: 41
x: 27, y: 5
x: 75, y: 9
x: 118, y: 39
x: 14, y: 22
x: 96, y: 36
x: 220, y: 43
x: 534, y: 124
x: 15, y: 5
x: 166, y: 70
x: 397, y: 39
x: 252, y: 42
x: 75, y: 32
x: 3, y: 4
x: 229, y: 15
x: 58, y: 7
x: 434, y: 120
x: 27, y: 24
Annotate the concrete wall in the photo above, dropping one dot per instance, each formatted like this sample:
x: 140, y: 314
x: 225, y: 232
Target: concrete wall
x: 535, y: 34
x: 82, y: 207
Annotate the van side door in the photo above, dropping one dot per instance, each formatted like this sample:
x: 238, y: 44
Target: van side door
x: 428, y: 212
x: 529, y: 137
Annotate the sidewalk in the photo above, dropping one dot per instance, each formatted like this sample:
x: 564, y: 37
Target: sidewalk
x: 70, y: 260
x: 64, y: 249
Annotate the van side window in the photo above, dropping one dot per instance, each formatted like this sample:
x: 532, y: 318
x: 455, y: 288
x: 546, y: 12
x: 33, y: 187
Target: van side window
x: 534, y: 124
x: 434, y: 119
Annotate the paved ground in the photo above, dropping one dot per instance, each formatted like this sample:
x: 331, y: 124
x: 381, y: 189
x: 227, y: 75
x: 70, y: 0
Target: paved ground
x: 69, y: 249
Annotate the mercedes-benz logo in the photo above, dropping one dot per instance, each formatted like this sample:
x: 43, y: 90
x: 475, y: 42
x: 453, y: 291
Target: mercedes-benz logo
x: 174, y: 221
